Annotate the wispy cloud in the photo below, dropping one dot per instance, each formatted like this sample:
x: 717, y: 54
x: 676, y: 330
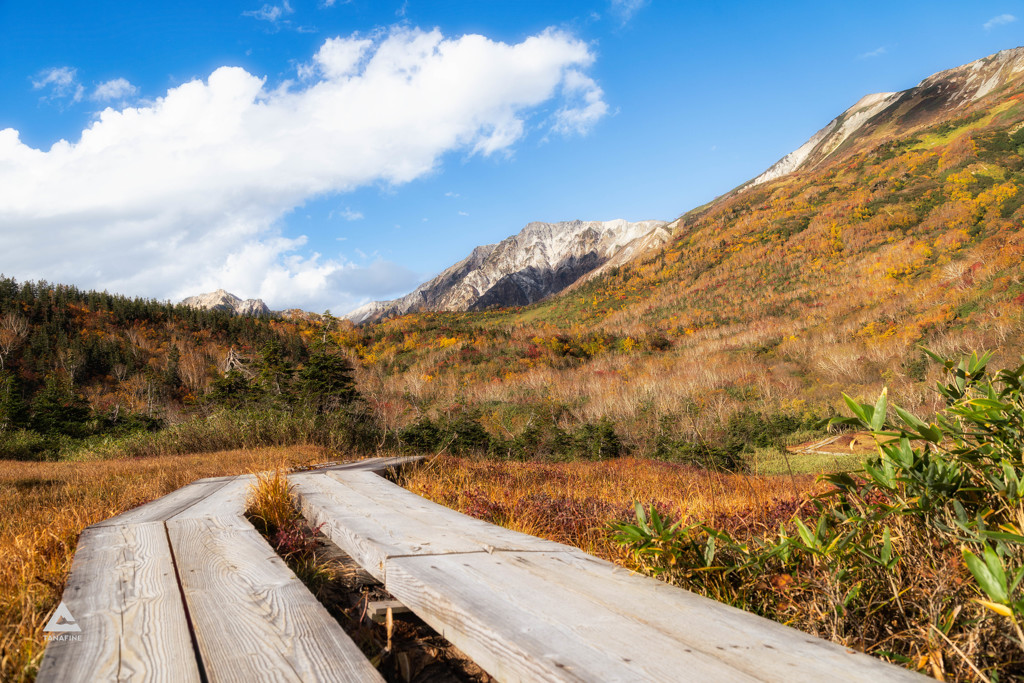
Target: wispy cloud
x: 117, y: 89
x: 463, y: 213
x: 452, y: 195
x: 1000, y: 20
x: 347, y: 213
x: 877, y: 52
x: 270, y: 13
x: 60, y: 82
x: 189, y: 192
x: 625, y: 9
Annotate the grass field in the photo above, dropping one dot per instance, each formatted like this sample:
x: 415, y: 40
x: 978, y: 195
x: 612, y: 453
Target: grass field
x: 44, y: 507
x: 574, y: 502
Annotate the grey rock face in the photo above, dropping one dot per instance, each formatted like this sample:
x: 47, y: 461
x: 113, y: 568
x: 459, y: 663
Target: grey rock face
x: 544, y: 258
x: 229, y: 303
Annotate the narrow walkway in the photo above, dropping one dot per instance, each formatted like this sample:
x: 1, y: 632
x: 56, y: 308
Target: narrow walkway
x: 528, y: 609
x: 185, y: 589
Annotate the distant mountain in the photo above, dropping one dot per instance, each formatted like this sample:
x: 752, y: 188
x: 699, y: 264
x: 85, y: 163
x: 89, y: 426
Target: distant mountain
x: 544, y: 258
x: 229, y: 303
x: 887, y: 114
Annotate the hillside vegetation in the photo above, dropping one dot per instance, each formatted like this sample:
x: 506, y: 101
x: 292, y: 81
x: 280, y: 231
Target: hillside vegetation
x: 767, y: 304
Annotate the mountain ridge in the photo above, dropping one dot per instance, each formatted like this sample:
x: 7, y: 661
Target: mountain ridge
x: 945, y: 90
x: 222, y: 300
x: 540, y: 260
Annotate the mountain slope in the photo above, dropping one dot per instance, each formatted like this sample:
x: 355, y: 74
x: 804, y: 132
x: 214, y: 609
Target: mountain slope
x: 903, y: 112
x: 542, y: 259
x: 773, y: 299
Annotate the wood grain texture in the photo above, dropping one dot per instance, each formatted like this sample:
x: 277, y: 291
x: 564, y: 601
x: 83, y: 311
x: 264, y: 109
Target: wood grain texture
x: 372, y: 519
x: 167, y: 506
x: 123, y: 593
x: 562, y: 617
x: 226, y: 504
x: 374, y: 464
x: 253, y: 618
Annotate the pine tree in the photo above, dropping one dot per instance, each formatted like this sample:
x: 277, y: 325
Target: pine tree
x: 58, y: 409
x: 326, y: 382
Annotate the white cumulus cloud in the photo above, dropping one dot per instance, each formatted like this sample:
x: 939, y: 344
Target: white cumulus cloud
x: 187, y: 193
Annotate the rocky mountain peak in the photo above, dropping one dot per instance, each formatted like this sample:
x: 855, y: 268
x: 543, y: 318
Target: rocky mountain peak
x: 222, y: 300
x: 542, y: 259
x: 937, y: 97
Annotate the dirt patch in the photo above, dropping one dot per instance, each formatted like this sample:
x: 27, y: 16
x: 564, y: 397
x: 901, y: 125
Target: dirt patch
x: 856, y: 443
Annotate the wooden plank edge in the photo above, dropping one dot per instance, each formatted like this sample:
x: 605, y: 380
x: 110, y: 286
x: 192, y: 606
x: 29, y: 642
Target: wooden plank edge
x: 141, y: 514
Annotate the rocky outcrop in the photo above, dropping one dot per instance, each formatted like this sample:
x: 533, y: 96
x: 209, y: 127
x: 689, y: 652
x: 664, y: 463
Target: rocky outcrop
x: 229, y: 303
x: 544, y: 258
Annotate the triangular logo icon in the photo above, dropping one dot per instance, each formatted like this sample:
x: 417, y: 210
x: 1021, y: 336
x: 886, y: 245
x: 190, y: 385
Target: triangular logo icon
x: 61, y: 621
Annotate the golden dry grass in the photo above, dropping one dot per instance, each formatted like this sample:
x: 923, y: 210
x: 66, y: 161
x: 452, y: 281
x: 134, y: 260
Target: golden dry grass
x: 44, y: 507
x: 573, y: 502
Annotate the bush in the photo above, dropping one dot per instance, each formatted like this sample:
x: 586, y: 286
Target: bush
x: 919, y: 557
x: 25, y: 444
x: 597, y: 441
x: 345, y: 430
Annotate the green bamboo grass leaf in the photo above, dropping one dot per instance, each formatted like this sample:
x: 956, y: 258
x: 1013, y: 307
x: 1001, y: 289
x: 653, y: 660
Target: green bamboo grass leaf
x: 993, y: 588
x: 928, y: 432
x: 878, y: 414
x: 709, y: 551
x: 863, y: 412
x: 805, y: 534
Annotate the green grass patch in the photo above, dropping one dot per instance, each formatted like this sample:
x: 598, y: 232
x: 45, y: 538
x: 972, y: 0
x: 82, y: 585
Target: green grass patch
x: 773, y: 461
x: 953, y: 129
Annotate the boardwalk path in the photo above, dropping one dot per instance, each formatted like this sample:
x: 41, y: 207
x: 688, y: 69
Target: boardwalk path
x: 184, y: 588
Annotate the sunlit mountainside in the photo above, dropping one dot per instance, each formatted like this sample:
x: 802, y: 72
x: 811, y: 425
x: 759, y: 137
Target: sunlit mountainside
x: 774, y: 297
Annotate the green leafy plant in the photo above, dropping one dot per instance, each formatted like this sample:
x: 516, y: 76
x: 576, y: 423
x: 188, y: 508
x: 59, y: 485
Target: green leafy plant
x: 920, y: 543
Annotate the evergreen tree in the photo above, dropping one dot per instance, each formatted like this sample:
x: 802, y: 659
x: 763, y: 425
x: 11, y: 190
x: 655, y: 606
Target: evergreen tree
x: 13, y: 413
x: 58, y: 409
x: 172, y: 373
x: 233, y: 389
x: 274, y: 372
x: 326, y: 383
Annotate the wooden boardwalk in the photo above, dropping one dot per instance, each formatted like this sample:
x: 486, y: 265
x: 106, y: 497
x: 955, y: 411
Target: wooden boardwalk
x: 185, y: 589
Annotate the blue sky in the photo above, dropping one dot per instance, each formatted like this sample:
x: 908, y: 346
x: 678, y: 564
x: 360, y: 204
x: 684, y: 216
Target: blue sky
x: 320, y: 154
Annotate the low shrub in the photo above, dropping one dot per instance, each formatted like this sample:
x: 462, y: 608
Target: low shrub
x: 918, y: 557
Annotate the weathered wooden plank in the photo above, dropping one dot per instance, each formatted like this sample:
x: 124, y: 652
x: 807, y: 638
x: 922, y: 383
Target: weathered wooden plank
x: 372, y: 519
x: 562, y: 617
x: 167, y: 506
x: 377, y: 610
x: 253, y: 618
x: 374, y: 464
x: 124, y: 595
x: 213, y: 480
x: 738, y: 638
x: 226, y: 504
